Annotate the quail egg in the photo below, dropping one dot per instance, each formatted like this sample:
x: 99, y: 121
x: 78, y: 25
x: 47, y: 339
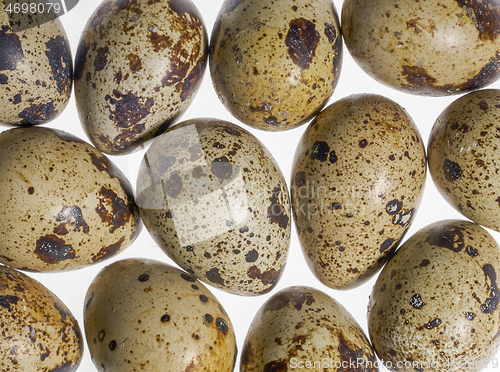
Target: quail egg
x: 357, y: 181
x: 149, y: 316
x: 137, y: 69
x: 274, y: 64
x: 65, y: 205
x: 214, y: 199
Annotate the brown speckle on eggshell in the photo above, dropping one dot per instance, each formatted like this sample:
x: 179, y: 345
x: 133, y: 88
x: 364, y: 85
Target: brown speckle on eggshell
x: 214, y: 199
x: 357, y: 181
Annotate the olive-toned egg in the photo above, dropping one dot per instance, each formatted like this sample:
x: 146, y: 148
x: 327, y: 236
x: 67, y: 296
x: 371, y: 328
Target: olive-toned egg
x: 39, y: 333
x: 65, y: 205
x: 214, y: 199
x: 274, y: 64
x: 138, y: 66
x: 302, y: 328
x: 435, y: 304
x: 147, y: 315
x: 463, y: 156
x: 35, y: 71
x: 357, y: 181
x: 430, y: 47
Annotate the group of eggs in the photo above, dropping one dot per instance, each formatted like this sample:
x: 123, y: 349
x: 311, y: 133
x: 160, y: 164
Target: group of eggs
x: 214, y: 199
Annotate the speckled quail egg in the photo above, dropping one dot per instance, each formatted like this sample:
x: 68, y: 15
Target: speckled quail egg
x: 35, y: 72
x: 214, y: 199
x: 303, y: 328
x: 435, y: 304
x: 149, y: 316
x: 137, y: 69
x: 274, y: 64
x: 431, y: 47
x: 65, y: 205
x: 357, y: 181
x: 463, y: 156
x: 39, y: 333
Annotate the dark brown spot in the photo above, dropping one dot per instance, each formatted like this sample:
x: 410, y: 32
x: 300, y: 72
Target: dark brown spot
x: 333, y: 157
x: 165, y: 318
x: 6, y: 301
x: 451, y: 170
x: 267, y: 277
x: 487, y: 75
x: 433, y: 323
x: 351, y: 357
x: 276, y: 211
x: 134, y: 62
x: 302, y: 40
x: 386, y: 245
x: 109, y: 251
x: 17, y: 99
x: 129, y: 108
x: 470, y: 316
x: 416, y: 301
x: 485, y: 16
x: 424, y: 263
x: 37, y: 114
x: 214, y: 276
x: 320, y: 151
x: 120, y: 212
x: 112, y: 345
x: 193, y: 80
x: 221, y: 325
x: 252, y: 256
x: 393, y: 207
x: 483, y: 105
x: 209, y: 318
x: 101, y: 58
x: 222, y: 168
x: 447, y: 236
x: 330, y: 32
x: 276, y: 366
x: 188, y: 277
x: 232, y: 131
x: 72, y: 216
x: 272, y: 120
x: 491, y: 303
x: 31, y: 190
x: 159, y: 42
x: 52, y: 249
x: 11, y: 51
x: 471, y: 251
x: 203, y: 298
x: 300, y: 179
x: 363, y: 143
x: 418, y: 79
x: 59, y: 56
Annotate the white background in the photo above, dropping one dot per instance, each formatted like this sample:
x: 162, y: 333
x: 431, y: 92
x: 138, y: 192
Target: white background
x: 71, y: 286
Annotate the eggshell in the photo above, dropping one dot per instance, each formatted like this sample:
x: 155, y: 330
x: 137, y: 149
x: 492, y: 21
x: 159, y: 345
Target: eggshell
x: 435, y: 304
x: 463, y: 156
x: 138, y: 66
x: 64, y: 204
x: 274, y: 64
x: 36, y: 71
x: 432, y: 47
x: 302, y: 328
x: 147, y: 315
x: 214, y: 199
x: 357, y: 181
x: 39, y: 333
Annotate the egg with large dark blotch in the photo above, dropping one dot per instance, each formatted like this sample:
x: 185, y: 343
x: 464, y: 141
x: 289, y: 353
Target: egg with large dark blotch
x: 148, y: 315
x: 435, y: 304
x: 433, y: 48
x: 65, y: 205
x: 214, y: 199
x: 39, y: 333
x: 357, y: 182
x: 463, y: 156
x: 275, y: 64
x: 138, y: 67
x: 36, y: 71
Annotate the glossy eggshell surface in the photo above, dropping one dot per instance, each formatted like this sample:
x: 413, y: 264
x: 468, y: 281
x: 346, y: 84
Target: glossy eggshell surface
x: 147, y: 315
x: 137, y: 69
x: 463, y: 156
x: 357, y: 181
x: 431, y: 48
x: 436, y: 300
x: 214, y: 199
x: 301, y: 325
x: 274, y: 64
x: 39, y: 333
x: 65, y: 205
x: 35, y: 72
